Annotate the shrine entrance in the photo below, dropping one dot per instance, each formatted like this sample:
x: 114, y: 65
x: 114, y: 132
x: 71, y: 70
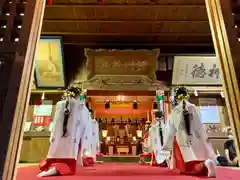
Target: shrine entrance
x: 121, y: 87
x: 174, y: 27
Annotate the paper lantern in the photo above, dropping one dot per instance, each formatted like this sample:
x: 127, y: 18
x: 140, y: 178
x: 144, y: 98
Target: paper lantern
x: 104, y: 133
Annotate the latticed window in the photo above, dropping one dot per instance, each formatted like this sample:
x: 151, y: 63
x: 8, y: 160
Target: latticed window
x: 11, y: 20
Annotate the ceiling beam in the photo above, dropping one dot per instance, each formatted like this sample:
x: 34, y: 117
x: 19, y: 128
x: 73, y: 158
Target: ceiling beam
x: 115, y: 93
x: 186, y: 50
x: 165, y: 50
x: 119, y: 21
x: 135, y: 44
x: 125, y: 5
x: 119, y: 34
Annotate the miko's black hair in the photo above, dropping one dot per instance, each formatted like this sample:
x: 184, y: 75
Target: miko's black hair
x: 76, y: 91
x: 182, y: 91
x: 159, y: 114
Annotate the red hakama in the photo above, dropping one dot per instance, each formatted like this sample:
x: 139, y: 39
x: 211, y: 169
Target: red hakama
x: 63, y: 166
x: 196, y: 167
x: 87, y: 160
x: 154, y: 162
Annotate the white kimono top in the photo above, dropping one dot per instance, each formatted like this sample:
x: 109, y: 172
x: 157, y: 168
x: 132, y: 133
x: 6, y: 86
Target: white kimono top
x: 193, y: 147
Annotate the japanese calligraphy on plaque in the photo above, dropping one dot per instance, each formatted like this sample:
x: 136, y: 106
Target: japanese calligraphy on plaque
x: 200, y: 70
x: 122, y: 62
x: 115, y: 69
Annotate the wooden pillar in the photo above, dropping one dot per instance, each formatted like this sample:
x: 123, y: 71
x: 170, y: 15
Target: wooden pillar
x: 19, y: 35
x: 227, y: 50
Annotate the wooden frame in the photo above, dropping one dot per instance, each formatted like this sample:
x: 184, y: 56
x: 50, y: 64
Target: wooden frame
x: 31, y: 32
x: 176, y: 77
x: 227, y: 50
x: 53, y: 53
x: 216, y: 106
x: 222, y: 47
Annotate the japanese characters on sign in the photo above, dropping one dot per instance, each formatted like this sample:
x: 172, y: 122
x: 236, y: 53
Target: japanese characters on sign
x: 122, y: 62
x: 192, y: 70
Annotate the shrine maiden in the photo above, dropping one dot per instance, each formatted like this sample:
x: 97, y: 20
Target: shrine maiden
x: 65, y: 136
x: 156, y: 141
x: 85, y: 134
x: 192, y: 153
x: 95, y: 136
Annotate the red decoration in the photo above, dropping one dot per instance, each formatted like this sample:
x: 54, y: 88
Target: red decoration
x: 42, y: 120
x: 49, y: 2
x: 101, y: 1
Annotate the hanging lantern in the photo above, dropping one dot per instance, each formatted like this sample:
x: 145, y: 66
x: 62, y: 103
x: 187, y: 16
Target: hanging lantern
x: 139, y: 133
x: 104, y: 133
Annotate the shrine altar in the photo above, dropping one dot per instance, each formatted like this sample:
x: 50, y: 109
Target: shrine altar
x: 122, y: 149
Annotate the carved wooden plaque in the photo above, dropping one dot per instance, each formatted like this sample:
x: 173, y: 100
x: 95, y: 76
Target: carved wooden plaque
x: 122, y: 62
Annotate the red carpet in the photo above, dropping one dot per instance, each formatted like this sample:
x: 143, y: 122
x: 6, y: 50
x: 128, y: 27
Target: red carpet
x: 117, y: 171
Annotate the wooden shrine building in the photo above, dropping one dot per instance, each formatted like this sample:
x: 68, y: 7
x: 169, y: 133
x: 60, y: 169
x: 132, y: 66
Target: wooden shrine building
x: 173, y: 27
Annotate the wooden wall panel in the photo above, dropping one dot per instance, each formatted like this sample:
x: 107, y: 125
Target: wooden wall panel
x: 34, y: 149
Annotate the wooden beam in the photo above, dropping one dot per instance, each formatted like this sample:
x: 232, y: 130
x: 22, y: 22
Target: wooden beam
x: 165, y: 50
x: 129, y: 2
x: 116, y: 93
x: 135, y: 44
x: 184, y: 50
x: 127, y: 27
x: 120, y: 34
x: 125, y: 5
x: 15, y: 78
x: 227, y: 49
x: 119, y: 21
